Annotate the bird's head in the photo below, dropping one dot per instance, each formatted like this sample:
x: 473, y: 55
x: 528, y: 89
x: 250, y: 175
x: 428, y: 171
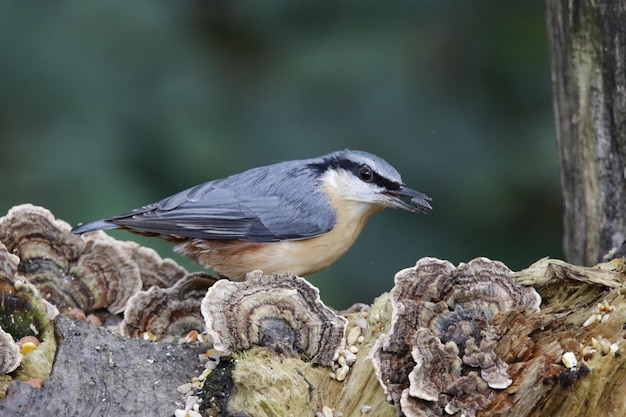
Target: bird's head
x: 361, y: 177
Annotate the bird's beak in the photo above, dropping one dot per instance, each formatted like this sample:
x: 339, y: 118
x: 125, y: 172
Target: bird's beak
x: 419, y: 201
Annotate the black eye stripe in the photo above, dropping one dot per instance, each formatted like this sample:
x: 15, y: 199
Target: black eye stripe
x: 384, y: 182
x: 355, y: 169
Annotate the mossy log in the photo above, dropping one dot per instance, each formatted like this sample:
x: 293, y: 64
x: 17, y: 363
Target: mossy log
x: 564, y: 358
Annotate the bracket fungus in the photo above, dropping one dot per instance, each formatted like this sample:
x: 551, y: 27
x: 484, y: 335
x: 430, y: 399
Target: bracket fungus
x: 104, y: 272
x: 154, y: 270
x: 439, y: 352
x: 167, y: 311
x: 282, y: 312
x: 70, y: 271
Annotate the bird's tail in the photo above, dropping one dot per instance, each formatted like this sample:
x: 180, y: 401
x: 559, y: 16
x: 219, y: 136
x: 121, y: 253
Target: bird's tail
x: 94, y: 225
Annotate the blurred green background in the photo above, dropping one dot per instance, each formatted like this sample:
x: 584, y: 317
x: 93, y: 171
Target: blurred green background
x: 106, y: 106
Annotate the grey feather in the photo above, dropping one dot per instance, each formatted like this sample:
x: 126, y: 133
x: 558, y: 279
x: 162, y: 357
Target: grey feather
x: 262, y: 204
x: 271, y: 203
x: 94, y: 225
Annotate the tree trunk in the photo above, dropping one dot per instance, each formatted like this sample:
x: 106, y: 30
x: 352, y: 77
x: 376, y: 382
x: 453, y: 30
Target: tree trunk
x: 588, y: 54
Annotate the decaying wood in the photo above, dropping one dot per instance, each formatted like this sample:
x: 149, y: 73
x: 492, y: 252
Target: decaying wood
x: 578, y: 315
x: 588, y: 56
x: 583, y: 311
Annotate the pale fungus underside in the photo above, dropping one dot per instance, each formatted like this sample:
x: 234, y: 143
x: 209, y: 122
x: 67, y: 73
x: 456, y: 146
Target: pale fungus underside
x: 460, y: 341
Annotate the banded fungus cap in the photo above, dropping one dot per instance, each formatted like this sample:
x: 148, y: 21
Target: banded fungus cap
x: 167, y: 311
x: 87, y: 272
x: 439, y: 353
x: 280, y: 311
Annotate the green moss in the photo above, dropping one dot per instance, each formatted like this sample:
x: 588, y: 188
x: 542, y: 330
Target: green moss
x: 268, y: 385
x: 23, y: 314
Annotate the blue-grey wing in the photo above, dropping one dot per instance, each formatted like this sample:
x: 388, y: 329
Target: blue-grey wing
x: 258, y: 206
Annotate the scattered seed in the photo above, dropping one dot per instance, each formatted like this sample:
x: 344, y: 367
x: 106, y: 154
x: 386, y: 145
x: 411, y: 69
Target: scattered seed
x: 594, y: 343
x: 192, y: 336
x: 569, y: 360
x: 28, y: 339
x: 590, y: 320
x: 205, y: 374
x: 192, y: 401
x: 185, y: 388
x: 93, y: 319
x: 605, y: 346
x: 342, y: 373
x: 34, y: 382
x: 587, y: 353
x: 350, y: 357
x: 28, y: 347
x: 361, y: 322
x: 149, y: 336
x: 353, y: 335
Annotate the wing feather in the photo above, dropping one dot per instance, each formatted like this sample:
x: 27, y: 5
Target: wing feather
x: 257, y: 205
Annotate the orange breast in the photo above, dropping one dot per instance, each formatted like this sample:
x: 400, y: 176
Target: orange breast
x: 233, y: 259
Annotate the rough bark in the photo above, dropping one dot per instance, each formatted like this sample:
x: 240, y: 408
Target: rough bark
x: 588, y: 57
x: 98, y: 373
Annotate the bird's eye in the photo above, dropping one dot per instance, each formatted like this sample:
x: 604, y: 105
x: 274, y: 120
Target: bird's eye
x: 366, y: 174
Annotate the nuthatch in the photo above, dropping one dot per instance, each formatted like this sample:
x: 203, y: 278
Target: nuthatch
x: 296, y: 216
